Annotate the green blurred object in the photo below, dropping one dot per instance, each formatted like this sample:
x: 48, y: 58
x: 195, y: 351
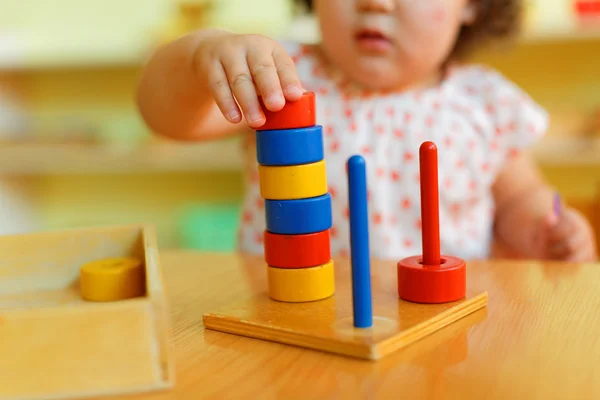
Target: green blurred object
x: 210, y: 227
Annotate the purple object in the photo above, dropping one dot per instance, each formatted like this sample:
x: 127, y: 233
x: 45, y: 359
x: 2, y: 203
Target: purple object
x: 557, y: 205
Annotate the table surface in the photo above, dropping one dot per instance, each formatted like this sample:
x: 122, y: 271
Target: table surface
x: 539, y: 337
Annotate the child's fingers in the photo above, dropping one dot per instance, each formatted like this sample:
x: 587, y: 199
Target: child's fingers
x: 562, y: 239
x: 263, y: 69
x: 580, y: 249
x: 564, y: 248
x: 586, y: 253
x: 563, y: 227
x: 288, y: 76
x: 242, y: 85
x: 221, y: 91
x: 583, y: 245
x: 578, y: 246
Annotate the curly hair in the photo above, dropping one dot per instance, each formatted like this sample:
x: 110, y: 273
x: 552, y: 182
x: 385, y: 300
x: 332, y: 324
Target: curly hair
x: 495, y: 20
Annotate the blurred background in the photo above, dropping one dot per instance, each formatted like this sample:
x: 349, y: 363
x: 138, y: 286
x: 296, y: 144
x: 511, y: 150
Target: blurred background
x: 74, y: 152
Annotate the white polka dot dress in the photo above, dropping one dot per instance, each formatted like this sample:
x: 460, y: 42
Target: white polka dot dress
x: 478, y: 120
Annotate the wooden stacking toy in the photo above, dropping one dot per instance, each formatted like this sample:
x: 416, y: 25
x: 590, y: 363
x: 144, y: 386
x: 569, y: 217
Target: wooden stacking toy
x: 365, y: 318
x: 293, y: 183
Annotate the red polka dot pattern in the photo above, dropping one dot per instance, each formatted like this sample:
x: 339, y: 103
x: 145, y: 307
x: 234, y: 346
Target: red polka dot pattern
x: 479, y: 120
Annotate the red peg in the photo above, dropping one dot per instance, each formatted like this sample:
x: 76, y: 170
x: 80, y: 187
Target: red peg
x: 431, y: 277
x: 430, y: 209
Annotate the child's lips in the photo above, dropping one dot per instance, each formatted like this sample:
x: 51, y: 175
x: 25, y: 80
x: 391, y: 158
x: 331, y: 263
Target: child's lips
x: 373, y: 40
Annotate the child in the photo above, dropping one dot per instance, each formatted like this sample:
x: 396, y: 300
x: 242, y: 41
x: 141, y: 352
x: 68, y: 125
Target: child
x: 387, y: 77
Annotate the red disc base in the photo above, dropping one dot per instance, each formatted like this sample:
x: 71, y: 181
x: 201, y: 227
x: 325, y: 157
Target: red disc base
x: 443, y: 283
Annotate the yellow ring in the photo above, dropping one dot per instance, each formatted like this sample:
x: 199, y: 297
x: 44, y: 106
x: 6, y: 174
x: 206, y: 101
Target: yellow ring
x: 302, y: 284
x: 293, y: 182
x: 112, y: 279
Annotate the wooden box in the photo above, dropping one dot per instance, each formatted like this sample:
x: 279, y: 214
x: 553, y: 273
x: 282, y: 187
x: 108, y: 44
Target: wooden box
x: 54, y: 344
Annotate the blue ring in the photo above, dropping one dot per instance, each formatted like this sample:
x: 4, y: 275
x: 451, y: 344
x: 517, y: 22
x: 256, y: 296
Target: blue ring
x: 290, y: 146
x: 299, y: 217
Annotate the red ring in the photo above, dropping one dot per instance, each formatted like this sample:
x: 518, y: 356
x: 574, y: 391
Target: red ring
x: 443, y: 283
x: 297, y: 251
x: 295, y: 114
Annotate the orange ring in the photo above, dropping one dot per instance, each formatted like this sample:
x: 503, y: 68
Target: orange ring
x: 297, y: 251
x: 295, y: 114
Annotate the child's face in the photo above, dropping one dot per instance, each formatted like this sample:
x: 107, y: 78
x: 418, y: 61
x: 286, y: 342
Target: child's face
x: 390, y: 44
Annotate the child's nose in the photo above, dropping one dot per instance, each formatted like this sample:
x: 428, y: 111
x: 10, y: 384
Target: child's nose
x: 384, y: 6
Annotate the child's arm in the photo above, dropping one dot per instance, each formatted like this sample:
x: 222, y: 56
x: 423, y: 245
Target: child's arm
x: 525, y: 218
x: 522, y: 200
x: 200, y: 85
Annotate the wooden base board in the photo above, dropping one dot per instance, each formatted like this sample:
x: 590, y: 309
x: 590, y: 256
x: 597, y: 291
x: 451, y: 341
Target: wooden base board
x: 327, y: 325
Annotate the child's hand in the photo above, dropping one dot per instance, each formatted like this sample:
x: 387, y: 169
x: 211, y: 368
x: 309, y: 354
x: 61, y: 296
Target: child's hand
x: 238, y: 69
x: 567, y: 237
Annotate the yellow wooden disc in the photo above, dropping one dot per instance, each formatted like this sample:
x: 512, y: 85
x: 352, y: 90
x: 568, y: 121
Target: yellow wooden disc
x: 296, y: 285
x: 112, y: 279
x: 293, y: 182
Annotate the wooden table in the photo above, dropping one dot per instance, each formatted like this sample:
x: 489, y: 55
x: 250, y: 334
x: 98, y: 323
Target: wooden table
x: 538, y: 338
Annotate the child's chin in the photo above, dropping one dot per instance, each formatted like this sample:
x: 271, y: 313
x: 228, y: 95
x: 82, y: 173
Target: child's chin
x: 378, y: 74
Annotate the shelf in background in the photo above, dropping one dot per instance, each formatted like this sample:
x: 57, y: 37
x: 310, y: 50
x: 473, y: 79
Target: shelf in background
x: 115, y: 58
x: 79, y: 34
x: 28, y: 158
x: 568, y: 152
x: 561, y: 35
x: 22, y: 53
x: 305, y: 28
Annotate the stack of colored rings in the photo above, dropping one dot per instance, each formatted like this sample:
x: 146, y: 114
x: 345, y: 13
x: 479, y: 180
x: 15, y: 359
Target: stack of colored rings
x: 293, y: 182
